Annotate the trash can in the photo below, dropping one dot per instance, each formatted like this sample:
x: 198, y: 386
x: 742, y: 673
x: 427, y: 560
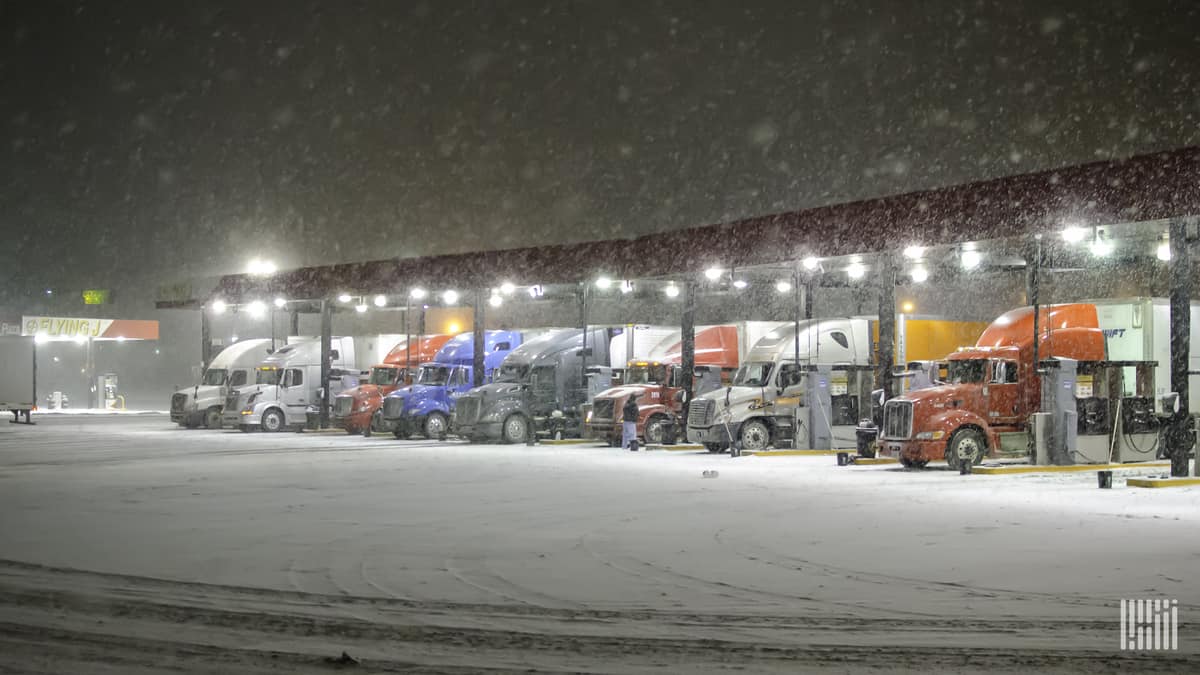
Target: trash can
x: 865, y: 435
x: 312, y: 418
x: 668, y: 431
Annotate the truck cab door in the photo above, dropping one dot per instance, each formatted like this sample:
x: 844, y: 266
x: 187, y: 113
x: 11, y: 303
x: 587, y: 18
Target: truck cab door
x: 543, y: 390
x: 293, y: 393
x: 1002, y: 392
x: 789, y: 385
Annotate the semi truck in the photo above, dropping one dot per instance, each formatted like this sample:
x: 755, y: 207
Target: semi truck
x: 426, y: 405
x: 991, y: 390
x: 659, y: 386
x: 539, y: 388
x: 18, y: 376
x: 759, y: 408
x: 286, y: 383
x: 360, y: 409
x: 201, y: 404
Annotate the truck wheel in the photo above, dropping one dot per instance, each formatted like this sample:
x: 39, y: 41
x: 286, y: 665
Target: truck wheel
x: 212, y: 419
x: 272, y: 420
x: 435, y: 425
x: 713, y: 447
x: 400, y: 431
x: 516, y: 428
x: 654, y: 429
x: 755, y: 436
x: 966, y: 445
x: 912, y: 463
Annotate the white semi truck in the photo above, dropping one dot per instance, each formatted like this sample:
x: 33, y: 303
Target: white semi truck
x: 200, y: 404
x: 18, y: 376
x: 1139, y: 329
x: 759, y: 408
x: 286, y: 383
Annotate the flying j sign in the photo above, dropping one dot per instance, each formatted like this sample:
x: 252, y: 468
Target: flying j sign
x: 71, y: 328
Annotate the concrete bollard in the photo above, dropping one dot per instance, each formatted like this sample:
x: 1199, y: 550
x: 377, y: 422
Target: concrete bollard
x: 843, y: 458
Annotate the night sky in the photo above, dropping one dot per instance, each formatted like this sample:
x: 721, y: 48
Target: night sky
x: 151, y: 141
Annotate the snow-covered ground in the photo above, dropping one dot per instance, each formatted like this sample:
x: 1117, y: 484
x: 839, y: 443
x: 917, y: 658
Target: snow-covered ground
x: 144, y: 543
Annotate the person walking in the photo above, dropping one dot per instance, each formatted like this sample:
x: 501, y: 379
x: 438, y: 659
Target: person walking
x: 629, y: 417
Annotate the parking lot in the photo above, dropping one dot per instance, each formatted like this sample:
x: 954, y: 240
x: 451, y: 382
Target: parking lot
x: 134, y: 539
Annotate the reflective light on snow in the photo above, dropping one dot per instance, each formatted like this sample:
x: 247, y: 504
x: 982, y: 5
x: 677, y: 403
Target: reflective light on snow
x: 713, y: 273
x: 783, y: 286
x: 380, y: 301
x: 219, y: 307
x: 919, y: 274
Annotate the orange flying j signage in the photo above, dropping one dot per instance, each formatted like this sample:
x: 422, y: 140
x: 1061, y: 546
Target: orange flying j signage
x: 74, y: 328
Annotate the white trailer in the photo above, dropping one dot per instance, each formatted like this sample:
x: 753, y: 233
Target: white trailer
x: 18, y: 376
x: 1139, y: 329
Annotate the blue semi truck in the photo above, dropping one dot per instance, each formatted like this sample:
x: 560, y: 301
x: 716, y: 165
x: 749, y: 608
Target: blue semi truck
x: 425, y: 406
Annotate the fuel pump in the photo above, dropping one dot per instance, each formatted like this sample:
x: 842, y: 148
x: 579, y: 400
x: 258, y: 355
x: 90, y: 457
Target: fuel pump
x: 1091, y: 414
x: 834, y: 396
x: 106, y: 387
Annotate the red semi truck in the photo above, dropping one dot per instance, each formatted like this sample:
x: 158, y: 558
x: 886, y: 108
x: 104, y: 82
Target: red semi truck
x: 984, y: 406
x: 355, y: 409
x: 660, y: 389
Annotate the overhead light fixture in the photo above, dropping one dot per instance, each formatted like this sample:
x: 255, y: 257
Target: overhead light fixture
x: 907, y: 307
x: 1101, y: 246
x: 919, y: 274
x: 1163, y: 252
x: 450, y: 297
x: 219, y: 307
x: 1073, y: 234
x: 257, y: 309
x: 380, y: 301
x: 418, y: 293
x: 626, y: 286
x: 914, y: 252
x: 713, y: 273
x: 671, y: 290
x: 280, y: 302
x: 811, y: 263
x: 361, y: 308
x: 233, y: 338
x: 856, y: 270
x: 740, y: 284
x: 120, y: 338
x: 79, y: 339
x: 507, y: 288
x: 496, y: 300
x: 344, y: 298
x: 260, y: 267
x: 604, y: 283
x: 536, y: 291
x: 783, y: 286
x: 970, y: 259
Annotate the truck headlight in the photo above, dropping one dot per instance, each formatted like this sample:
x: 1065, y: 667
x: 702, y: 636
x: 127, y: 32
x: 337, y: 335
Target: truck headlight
x: 930, y: 435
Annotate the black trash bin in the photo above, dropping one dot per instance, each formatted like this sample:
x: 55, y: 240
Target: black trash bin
x: 669, y: 432
x: 865, y: 435
x: 312, y: 418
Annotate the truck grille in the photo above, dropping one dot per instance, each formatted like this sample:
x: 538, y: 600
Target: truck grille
x: 466, y: 410
x: 602, y: 409
x: 897, y: 419
x: 342, y: 406
x: 700, y: 412
x: 392, y: 407
x: 177, y: 402
x: 231, y: 402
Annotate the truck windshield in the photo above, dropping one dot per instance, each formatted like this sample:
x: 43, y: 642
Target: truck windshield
x: 433, y: 375
x: 214, y: 377
x: 965, y: 371
x: 646, y: 375
x: 512, y: 372
x: 267, y: 376
x: 383, y: 376
x: 755, y: 374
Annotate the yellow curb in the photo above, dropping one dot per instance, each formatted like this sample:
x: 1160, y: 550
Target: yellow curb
x: 1162, y: 482
x: 1070, y: 468
x: 678, y: 447
x: 331, y: 430
x: 795, y: 453
x: 874, y: 460
x: 566, y: 441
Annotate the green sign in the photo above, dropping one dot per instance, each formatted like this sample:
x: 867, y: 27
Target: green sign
x: 95, y: 296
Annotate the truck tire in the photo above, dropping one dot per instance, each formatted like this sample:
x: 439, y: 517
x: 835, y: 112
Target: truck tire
x: 436, y: 425
x: 212, y: 418
x: 272, y: 420
x: 966, y: 445
x: 654, y: 429
x: 400, y: 431
x: 516, y: 429
x: 755, y: 435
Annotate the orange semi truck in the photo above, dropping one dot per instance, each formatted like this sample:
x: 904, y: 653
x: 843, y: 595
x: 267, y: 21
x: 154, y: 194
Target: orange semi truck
x: 991, y: 391
x: 355, y: 410
x: 660, y: 389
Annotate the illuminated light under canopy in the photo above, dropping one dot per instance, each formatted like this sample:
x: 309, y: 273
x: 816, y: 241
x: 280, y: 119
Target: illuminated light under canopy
x: 713, y: 273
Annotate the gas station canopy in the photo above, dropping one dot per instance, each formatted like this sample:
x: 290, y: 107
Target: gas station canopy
x: 62, y: 329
